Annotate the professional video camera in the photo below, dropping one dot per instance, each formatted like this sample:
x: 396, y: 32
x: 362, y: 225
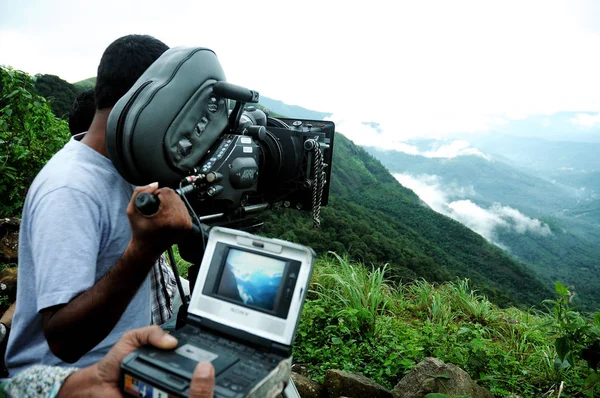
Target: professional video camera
x: 176, y: 127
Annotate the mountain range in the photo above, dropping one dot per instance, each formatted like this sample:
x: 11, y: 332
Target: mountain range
x: 531, y: 194
x: 535, y: 199
x: 373, y: 218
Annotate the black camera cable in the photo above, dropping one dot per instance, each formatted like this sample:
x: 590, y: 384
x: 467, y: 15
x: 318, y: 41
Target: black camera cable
x: 148, y: 204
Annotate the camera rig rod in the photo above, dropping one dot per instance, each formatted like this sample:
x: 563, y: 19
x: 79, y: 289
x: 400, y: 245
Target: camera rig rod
x: 148, y: 204
x: 246, y: 209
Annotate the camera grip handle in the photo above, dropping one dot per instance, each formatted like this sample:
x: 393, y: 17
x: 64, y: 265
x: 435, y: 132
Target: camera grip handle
x: 236, y: 93
x: 148, y: 204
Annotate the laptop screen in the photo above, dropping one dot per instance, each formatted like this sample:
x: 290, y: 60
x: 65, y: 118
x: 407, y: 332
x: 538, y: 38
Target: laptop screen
x: 251, y: 279
x: 252, y: 283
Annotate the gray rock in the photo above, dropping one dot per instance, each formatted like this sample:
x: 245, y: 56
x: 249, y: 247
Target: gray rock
x: 300, y: 368
x: 351, y: 385
x: 433, y: 375
x: 308, y: 388
x: 9, y: 239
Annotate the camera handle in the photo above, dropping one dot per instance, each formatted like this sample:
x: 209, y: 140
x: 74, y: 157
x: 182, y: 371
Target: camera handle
x: 148, y: 204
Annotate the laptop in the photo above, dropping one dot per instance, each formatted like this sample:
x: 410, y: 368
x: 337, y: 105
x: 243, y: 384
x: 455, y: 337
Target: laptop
x: 242, y: 317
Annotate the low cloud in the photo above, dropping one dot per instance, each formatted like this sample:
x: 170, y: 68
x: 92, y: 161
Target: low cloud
x: 370, y: 134
x: 480, y: 220
x: 429, y: 188
x: 453, y: 201
x: 586, y: 120
x: 382, y: 136
x: 454, y: 149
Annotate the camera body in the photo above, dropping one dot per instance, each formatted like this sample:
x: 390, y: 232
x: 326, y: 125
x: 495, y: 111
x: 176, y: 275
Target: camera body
x: 177, y: 126
x: 266, y: 162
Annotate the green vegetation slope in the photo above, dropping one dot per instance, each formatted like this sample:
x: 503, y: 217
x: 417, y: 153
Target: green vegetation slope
x: 357, y: 321
x: 570, y: 253
x: 376, y: 220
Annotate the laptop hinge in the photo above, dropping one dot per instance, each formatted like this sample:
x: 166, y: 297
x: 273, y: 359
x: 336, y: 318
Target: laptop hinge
x: 239, y: 335
x: 281, y: 349
x: 193, y: 320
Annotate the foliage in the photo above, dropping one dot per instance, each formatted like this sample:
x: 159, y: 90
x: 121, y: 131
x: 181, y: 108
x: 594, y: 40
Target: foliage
x: 5, y: 297
x: 29, y: 135
x: 505, y: 350
x: 576, y: 339
x: 59, y: 93
x: 361, y: 294
x: 182, y: 265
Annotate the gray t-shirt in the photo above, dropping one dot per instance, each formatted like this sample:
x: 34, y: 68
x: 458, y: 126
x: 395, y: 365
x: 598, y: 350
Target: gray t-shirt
x: 73, y: 230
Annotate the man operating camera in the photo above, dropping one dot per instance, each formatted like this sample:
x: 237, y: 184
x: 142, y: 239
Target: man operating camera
x: 85, y: 252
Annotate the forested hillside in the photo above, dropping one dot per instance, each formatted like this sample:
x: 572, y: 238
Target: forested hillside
x: 59, y: 93
x: 376, y: 220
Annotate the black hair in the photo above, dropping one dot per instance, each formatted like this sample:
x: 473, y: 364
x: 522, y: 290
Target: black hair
x: 82, y: 112
x: 122, y: 63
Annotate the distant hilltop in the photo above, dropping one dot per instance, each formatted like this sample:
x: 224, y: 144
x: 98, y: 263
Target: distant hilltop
x: 275, y: 106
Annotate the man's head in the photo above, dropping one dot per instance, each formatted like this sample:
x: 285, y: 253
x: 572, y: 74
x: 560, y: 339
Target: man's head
x: 82, y: 112
x: 122, y: 63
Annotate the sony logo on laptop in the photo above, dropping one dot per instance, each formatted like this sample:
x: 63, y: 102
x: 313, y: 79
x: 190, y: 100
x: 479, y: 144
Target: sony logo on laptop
x: 239, y: 311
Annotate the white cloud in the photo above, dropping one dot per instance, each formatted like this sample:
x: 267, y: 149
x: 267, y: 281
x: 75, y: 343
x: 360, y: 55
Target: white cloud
x: 428, y: 188
x: 454, y: 149
x: 426, y: 68
x: 480, y: 220
x: 586, y: 120
x: 380, y: 137
x: 483, y: 221
x: 519, y: 221
x: 365, y: 135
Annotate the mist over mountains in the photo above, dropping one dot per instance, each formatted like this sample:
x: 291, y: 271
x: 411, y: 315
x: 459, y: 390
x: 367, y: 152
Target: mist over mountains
x: 536, y: 199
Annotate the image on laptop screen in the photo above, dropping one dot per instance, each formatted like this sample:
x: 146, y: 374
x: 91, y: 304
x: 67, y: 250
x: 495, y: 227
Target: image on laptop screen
x: 251, y: 279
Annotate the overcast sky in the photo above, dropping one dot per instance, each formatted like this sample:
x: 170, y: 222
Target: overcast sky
x: 416, y: 67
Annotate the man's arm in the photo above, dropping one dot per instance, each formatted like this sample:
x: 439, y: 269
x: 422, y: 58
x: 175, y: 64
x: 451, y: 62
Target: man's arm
x: 74, y: 329
x: 7, y: 317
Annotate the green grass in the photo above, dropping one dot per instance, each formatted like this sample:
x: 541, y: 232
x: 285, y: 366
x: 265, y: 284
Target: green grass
x: 182, y: 265
x: 356, y: 321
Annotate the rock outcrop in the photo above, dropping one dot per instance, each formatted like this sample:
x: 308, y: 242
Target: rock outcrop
x: 434, y: 376
x: 351, y: 385
x: 308, y: 388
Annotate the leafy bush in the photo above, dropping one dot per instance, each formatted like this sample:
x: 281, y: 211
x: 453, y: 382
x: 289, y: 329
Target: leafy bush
x: 29, y: 135
x: 354, y: 321
x: 576, y: 340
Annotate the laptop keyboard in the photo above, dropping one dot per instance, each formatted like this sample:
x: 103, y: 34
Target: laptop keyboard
x: 253, y: 365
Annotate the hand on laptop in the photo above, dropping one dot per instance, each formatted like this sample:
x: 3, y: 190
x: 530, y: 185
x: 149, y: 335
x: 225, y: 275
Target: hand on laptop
x: 102, y: 379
